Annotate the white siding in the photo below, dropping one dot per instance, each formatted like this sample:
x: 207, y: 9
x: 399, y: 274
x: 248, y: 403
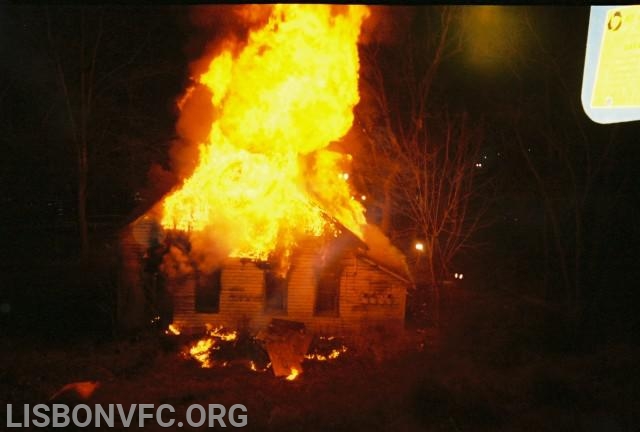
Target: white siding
x: 368, y: 297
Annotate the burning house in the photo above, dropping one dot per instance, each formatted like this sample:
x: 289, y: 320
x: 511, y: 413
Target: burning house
x: 335, y: 285
x: 264, y: 223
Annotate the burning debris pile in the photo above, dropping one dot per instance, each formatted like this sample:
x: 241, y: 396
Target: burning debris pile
x: 286, y: 342
x: 326, y: 348
x: 220, y: 347
x: 282, y: 347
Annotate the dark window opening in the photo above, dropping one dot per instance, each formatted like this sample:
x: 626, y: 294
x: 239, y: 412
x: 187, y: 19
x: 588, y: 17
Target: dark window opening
x: 328, y: 291
x: 208, y: 287
x: 275, y: 290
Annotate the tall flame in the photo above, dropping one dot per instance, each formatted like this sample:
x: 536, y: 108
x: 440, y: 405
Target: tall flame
x: 265, y: 174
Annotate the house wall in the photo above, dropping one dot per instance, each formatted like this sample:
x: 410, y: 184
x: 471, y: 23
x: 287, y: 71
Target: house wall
x: 368, y: 297
x: 134, y: 307
x: 133, y: 242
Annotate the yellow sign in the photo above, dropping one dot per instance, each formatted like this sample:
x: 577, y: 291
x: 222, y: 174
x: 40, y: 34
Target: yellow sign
x: 618, y: 71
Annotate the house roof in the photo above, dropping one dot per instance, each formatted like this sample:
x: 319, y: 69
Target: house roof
x: 146, y: 206
x: 381, y: 252
x: 404, y: 276
x: 374, y: 247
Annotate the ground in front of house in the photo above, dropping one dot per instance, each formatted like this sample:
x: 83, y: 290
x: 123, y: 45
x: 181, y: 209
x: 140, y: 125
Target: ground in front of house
x: 484, y: 369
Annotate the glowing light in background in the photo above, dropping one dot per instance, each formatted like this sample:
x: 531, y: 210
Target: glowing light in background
x: 493, y: 36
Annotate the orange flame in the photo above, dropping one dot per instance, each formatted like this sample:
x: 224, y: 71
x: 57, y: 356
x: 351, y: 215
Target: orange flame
x: 334, y: 354
x: 172, y: 329
x: 221, y: 334
x: 265, y: 175
x: 293, y: 375
x: 201, y: 352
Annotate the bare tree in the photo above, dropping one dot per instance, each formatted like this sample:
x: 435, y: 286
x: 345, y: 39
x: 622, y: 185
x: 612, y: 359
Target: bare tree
x: 387, y: 125
x: 425, y: 159
x: 94, y: 54
x: 565, y: 158
x: 79, y: 116
x: 422, y: 159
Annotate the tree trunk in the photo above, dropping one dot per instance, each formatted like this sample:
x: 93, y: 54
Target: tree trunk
x: 83, y: 226
x: 387, y: 206
x: 432, y: 280
x: 82, y: 150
